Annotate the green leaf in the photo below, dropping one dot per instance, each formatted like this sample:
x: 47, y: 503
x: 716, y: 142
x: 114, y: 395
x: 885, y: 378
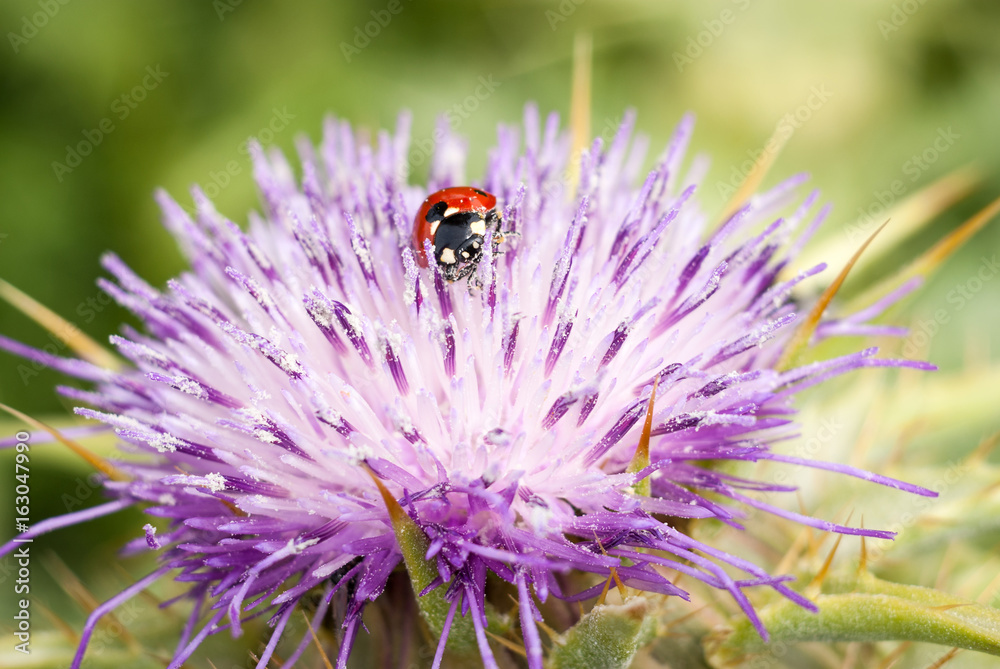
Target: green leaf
x: 861, y: 607
x: 433, y: 606
x: 606, y: 638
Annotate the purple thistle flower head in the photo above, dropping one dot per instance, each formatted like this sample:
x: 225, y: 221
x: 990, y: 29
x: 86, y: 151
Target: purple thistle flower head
x: 309, y: 355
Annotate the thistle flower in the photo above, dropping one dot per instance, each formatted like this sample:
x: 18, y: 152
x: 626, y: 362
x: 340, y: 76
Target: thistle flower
x: 313, y: 408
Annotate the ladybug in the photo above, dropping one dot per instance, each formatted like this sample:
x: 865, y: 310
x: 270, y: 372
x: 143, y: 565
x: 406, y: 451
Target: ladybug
x: 457, y: 222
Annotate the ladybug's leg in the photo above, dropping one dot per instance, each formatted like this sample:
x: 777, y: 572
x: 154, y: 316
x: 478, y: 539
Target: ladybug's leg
x: 469, y: 270
x: 450, y: 272
x: 499, y: 238
x: 499, y: 235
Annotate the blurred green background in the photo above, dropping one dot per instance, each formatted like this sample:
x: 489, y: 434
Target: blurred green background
x: 167, y: 94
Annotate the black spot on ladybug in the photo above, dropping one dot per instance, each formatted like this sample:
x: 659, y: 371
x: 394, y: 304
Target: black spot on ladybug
x: 480, y: 192
x: 436, y: 213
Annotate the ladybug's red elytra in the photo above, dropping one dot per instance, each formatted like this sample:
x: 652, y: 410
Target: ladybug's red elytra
x: 457, y: 222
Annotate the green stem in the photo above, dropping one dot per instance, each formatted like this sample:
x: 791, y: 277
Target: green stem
x: 606, y: 638
x: 863, y: 608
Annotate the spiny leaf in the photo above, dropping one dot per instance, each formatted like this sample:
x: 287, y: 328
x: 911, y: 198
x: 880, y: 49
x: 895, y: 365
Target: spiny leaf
x: 817, y: 583
x: 805, y: 331
x: 924, y: 265
x: 641, y: 458
x: 908, y: 217
x: 864, y: 608
x: 606, y: 638
x: 413, y: 544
